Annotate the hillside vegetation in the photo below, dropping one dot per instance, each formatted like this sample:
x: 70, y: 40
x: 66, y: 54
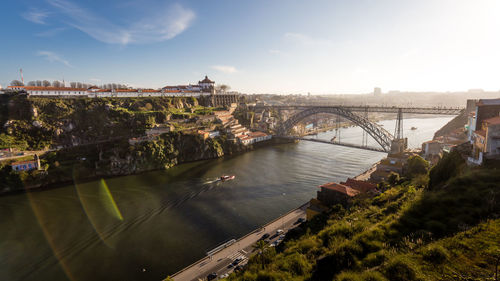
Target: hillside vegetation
x: 448, y: 231
x: 39, y: 123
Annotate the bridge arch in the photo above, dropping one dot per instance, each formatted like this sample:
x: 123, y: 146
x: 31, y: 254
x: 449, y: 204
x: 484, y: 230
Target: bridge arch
x: 382, y: 136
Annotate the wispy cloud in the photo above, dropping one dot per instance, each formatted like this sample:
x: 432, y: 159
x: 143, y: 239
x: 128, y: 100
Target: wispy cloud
x: 53, y: 57
x: 305, y: 39
x: 51, y: 32
x: 36, y: 16
x: 165, y: 25
x: 225, y: 68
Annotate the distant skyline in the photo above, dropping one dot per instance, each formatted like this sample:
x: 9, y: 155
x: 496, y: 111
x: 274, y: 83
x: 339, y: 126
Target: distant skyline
x: 282, y: 46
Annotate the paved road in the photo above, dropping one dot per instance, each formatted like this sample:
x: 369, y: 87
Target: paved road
x: 241, y: 248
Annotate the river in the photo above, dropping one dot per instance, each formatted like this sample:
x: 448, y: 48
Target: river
x: 144, y: 227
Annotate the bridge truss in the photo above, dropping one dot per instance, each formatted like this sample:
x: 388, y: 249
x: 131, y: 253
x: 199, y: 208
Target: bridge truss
x: 382, y: 136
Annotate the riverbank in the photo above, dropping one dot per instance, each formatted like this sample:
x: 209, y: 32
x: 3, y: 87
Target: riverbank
x: 118, y: 165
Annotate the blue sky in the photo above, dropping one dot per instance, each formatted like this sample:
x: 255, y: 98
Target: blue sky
x: 258, y: 46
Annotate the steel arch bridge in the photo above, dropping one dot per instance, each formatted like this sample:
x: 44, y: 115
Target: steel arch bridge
x: 381, y: 135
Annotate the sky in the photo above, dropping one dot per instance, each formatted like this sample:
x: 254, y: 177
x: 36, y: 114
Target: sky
x: 256, y: 46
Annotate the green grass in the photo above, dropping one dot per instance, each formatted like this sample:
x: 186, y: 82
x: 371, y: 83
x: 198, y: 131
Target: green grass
x: 451, y: 232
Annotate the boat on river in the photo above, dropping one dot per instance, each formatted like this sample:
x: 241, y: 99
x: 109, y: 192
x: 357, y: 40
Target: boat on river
x: 227, y: 178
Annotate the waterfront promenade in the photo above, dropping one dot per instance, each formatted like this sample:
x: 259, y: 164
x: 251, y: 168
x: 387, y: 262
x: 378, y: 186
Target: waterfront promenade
x: 242, y: 248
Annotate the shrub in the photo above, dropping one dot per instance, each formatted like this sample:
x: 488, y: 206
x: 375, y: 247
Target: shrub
x: 435, y: 254
x: 373, y: 276
x: 374, y: 259
x: 365, y: 276
x: 417, y: 166
x: 393, y: 178
x: 296, y: 264
x: 349, y: 276
x: 400, y: 270
x: 446, y: 168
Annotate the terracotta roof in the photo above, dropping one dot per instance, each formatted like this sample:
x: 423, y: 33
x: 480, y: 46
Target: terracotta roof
x: 362, y: 186
x: 493, y: 121
x: 340, y: 188
x: 23, y: 162
x: 257, y: 134
x: 206, y: 80
x: 150, y: 91
x: 126, y: 90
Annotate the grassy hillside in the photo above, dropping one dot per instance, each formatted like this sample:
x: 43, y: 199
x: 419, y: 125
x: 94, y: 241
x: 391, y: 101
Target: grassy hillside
x: 448, y: 232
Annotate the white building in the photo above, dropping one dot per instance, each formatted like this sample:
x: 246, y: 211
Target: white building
x: 204, y: 88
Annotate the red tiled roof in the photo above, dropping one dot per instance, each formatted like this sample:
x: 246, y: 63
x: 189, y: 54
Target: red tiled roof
x: 206, y: 80
x: 126, y: 90
x: 257, y: 134
x: 362, y: 186
x: 493, y: 121
x: 23, y: 162
x: 340, y: 188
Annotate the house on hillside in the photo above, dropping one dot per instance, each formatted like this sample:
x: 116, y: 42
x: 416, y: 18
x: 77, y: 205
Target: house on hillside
x: 486, y: 141
x: 27, y: 165
x: 334, y: 193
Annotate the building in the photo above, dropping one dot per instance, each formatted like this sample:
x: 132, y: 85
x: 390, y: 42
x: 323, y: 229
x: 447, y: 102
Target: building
x: 432, y: 150
x: 254, y: 137
x: 334, y: 193
x: 486, y: 141
x: 485, y: 109
x: 207, y: 84
x: 395, y: 162
x: 377, y: 91
x: 203, y: 88
x: 361, y: 186
x: 27, y: 165
x: 315, y: 208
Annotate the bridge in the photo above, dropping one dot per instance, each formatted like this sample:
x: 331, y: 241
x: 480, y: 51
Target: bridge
x: 377, y: 132
x: 378, y: 149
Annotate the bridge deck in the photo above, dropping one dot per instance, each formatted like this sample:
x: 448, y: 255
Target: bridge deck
x: 378, y: 149
x: 384, y: 109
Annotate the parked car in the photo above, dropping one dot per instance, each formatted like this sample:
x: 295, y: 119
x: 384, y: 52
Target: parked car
x: 264, y: 236
x: 279, y: 231
x: 300, y: 220
x: 212, y: 276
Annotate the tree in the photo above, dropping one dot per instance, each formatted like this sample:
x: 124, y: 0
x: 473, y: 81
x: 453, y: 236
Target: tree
x: 16, y: 83
x: 56, y: 84
x: 223, y: 88
x: 448, y: 167
x: 31, y: 83
x: 417, y: 166
x: 393, y: 178
x: 38, y: 83
x: 79, y: 84
x: 72, y: 84
x: 46, y: 83
x: 261, y: 247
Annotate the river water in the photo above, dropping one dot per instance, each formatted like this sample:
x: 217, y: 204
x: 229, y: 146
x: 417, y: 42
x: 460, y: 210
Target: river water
x: 144, y: 227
